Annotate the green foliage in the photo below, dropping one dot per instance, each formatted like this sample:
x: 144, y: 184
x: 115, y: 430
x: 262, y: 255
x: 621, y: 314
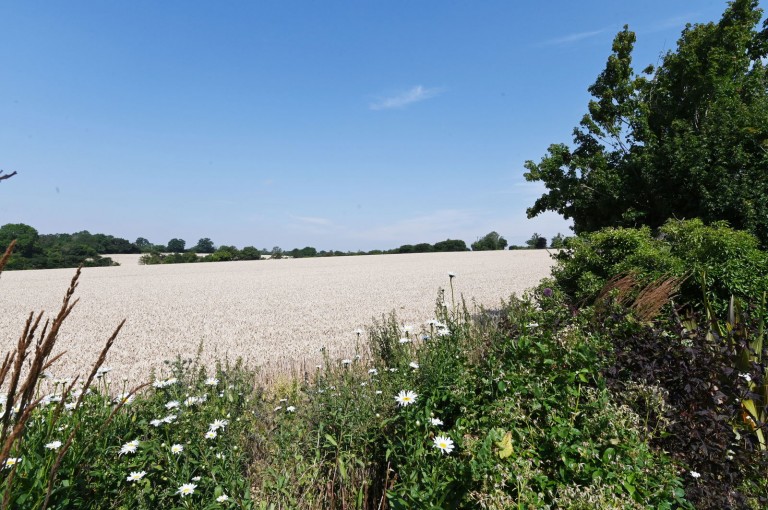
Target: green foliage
x: 490, y: 241
x: 451, y: 245
x: 557, y: 242
x: 537, y: 242
x: 303, y: 253
x: 688, y: 139
x: 204, y: 245
x: 34, y: 251
x: 176, y: 245
x: 728, y: 260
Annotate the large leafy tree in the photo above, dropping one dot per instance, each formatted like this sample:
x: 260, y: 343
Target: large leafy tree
x: 490, y: 241
x: 687, y: 139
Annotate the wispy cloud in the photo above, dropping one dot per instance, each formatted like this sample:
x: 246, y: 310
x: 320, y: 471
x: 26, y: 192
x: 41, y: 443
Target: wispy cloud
x: 313, y: 220
x: 575, y: 37
x: 403, y: 99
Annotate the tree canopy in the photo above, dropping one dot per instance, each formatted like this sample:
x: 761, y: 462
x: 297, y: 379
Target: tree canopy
x: 490, y: 241
x: 687, y: 139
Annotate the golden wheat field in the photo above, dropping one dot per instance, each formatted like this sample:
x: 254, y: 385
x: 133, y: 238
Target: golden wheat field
x: 275, y: 314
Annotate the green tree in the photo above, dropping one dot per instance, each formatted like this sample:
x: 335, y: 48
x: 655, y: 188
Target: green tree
x: 688, y: 139
x: 250, y: 253
x: 451, y: 245
x: 490, y: 241
x: 26, y: 239
x: 558, y: 241
x: 204, y: 245
x: 176, y: 245
x: 536, y: 242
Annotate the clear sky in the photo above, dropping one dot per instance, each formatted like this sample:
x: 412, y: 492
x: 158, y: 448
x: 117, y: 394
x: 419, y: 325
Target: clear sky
x: 335, y: 124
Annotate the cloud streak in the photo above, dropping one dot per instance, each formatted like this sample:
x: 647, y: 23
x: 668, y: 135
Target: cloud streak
x: 405, y: 98
x: 575, y: 37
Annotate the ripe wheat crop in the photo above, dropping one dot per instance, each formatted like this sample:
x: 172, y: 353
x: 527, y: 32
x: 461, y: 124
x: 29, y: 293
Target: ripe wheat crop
x: 274, y: 314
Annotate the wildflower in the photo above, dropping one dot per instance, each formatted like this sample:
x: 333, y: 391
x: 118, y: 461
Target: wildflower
x: 172, y: 404
x: 547, y: 292
x: 170, y: 418
x: 290, y: 409
x: 53, y: 445
x: 211, y: 434
x: 211, y: 381
x: 283, y: 400
x: 135, y: 476
x: 69, y: 406
x: 156, y: 422
x: 393, y: 370
x: 444, y: 444
x: 695, y: 474
x: 318, y: 367
x: 195, y: 478
x: 278, y: 408
x: 436, y: 421
x: 358, y: 332
x: 533, y: 325
x: 346, y: 362
x: 102, y: 371
x: 373, y: 371
x: 404, y: 341
x: 222, y: 498
x: 12, y: 461
x: 124, y: 398
x: 190, y: 401
x: 129, y: 447
x: 405, y: 398
x: 407, y: 329
x: 186, y: 489
x: 378, y: 392
x: 177, y: 449
x: 451, y: 274
x: 746, y: 377
x: 413, y: 365
x: 363, y: 383
x: 218, y: 424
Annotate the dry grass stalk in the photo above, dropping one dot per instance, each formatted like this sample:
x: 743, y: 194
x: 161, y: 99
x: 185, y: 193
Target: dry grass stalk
x: 7, y: 255
x: 654, y: 296
x: 21, y: 391
x: 646, y: 301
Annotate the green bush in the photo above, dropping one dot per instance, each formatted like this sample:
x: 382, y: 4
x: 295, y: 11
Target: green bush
x: 715, y: 257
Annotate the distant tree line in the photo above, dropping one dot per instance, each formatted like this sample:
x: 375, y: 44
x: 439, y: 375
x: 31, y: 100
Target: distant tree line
x: 48, y: 251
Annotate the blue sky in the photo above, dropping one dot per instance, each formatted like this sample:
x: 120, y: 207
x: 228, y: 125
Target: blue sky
x: 339, y: 125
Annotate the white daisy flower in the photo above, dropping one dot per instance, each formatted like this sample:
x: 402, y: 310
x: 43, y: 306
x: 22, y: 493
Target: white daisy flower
x: 218, y: 424
x: 170, y: 418
x: 190, y: 401
x: 129, y: 447
x: 373, y: 371
x: 135, y: 476
x: 444, y: 444
x: 358, y: 332
x: 695, y: 474
x: 211, y: 434
x: 222, y: 498
x: 195, y: 478
x: 746, y: 377
x: 404, y: 340
x: 436, y: 421
x: 125, y: 398
x: 290, y: 409
x: 211, y: 381
x: 156, y: 422
x: 405, y: 398
x: 11, y: 461
x: 186, y: 489
x: 451, y: 274
x: 172, y: 404
x: 413, y: 365
x: 53, y: 445
x: 69, y: 406
x: 177, y: 449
